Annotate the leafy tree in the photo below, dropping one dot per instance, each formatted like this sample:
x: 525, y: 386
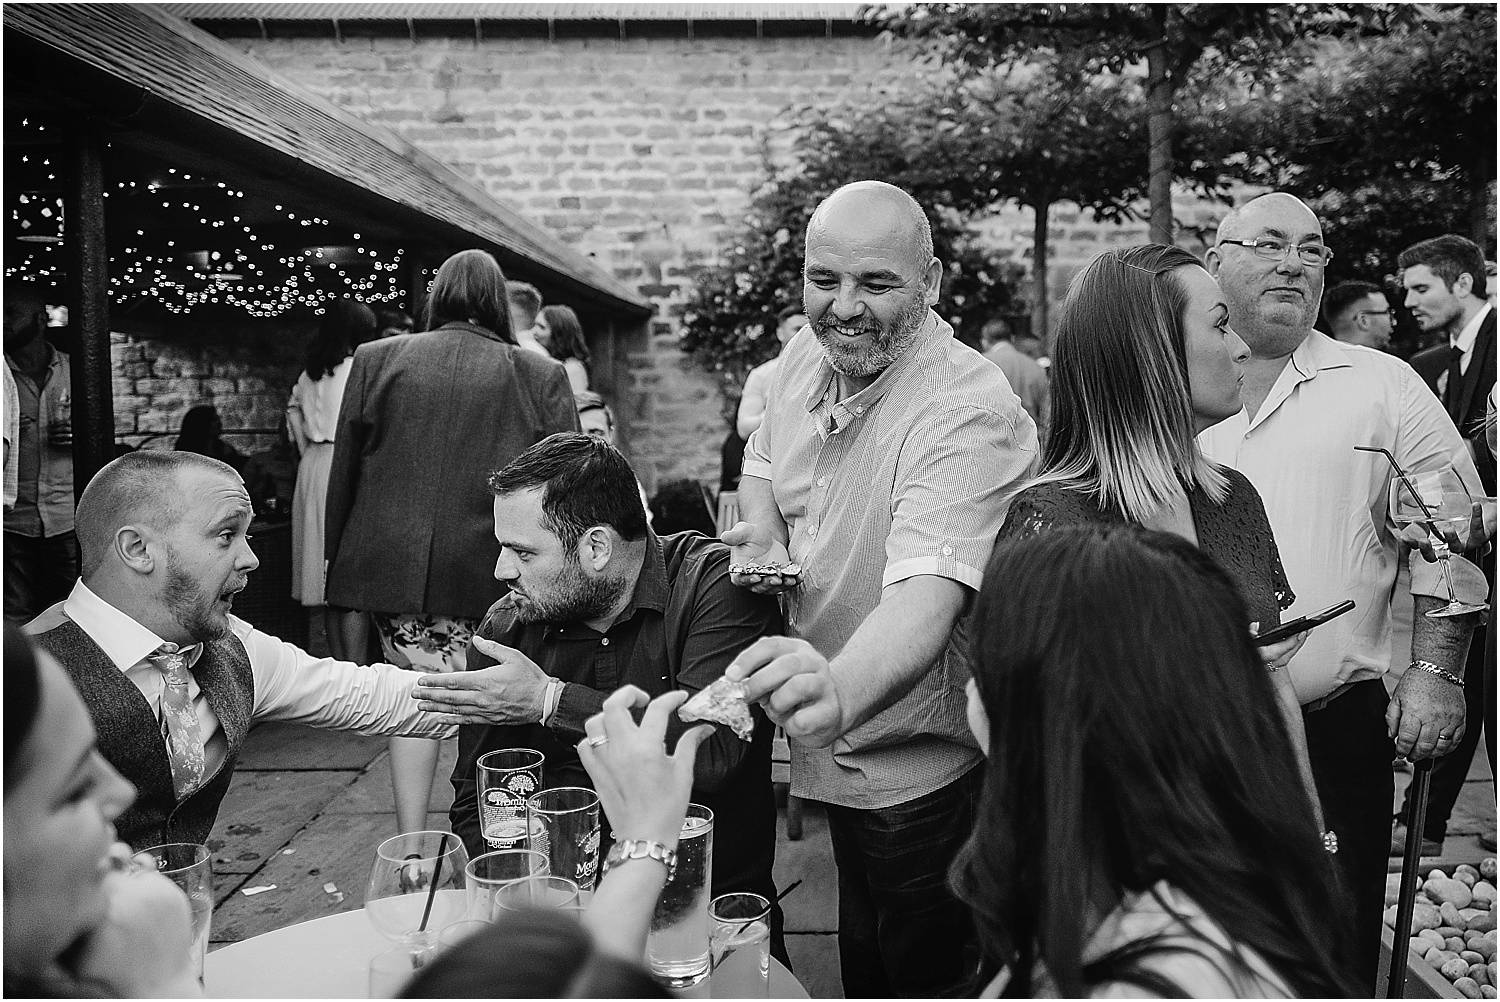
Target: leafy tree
x: 1173, y: 39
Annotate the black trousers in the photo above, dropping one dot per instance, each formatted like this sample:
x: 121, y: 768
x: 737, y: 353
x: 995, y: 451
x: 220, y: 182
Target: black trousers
x: 1351, y: 762
x: 1450, y: 771
x: 39, y: 570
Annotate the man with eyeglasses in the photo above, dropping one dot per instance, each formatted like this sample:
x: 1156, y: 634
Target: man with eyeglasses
x: 1308, y: 402
x: 1358, y: 313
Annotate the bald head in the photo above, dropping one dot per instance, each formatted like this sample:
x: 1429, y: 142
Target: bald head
x: 139, y: 488
x: 1284, y: 209
x: 879, y: 212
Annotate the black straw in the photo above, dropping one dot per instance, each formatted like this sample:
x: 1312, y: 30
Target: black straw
x: 437, y: 874
x: 789, y: 889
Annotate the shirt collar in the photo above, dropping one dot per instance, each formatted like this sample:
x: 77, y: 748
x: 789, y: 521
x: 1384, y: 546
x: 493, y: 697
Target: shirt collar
x: 1465, y: 340
x: 1317, y: 352
x: 124, y: 641
x: 932, y: 337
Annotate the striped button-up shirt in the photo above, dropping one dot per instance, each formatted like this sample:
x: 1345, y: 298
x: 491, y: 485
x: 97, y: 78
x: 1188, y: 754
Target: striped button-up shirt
x: 909, y: 476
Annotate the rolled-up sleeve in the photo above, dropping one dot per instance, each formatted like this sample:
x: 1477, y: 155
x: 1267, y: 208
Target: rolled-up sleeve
x: 292, y: 685
x: 1427, y: 441
x: 953, y: 483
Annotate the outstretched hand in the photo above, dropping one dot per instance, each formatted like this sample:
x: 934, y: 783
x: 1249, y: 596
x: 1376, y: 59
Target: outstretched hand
x: 754, y: 544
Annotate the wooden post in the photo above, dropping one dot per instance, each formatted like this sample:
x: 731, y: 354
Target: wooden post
x: 88, y: 307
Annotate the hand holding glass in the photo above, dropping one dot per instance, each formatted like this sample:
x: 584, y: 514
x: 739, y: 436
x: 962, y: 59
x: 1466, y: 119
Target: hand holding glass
x: 1440, y: 503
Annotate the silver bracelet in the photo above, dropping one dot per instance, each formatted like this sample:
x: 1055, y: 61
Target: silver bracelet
x: 1330, y: 842
x: 1439, y: 671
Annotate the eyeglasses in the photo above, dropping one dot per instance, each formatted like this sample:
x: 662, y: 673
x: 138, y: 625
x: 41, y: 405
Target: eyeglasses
x: 1312, y: 255
x: 1388, y: 314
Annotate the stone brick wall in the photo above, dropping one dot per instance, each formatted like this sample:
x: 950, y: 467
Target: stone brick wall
x: 246, y: 377
x: 640, y: 153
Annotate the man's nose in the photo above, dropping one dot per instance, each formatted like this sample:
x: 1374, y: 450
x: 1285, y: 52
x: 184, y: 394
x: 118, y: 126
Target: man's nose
x: 505, y: 567
x: 1291, y: 262
x: 846, y: 304
x: 248, y: 560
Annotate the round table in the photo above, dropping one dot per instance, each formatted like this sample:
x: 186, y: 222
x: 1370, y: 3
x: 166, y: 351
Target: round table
x: 328, y: 958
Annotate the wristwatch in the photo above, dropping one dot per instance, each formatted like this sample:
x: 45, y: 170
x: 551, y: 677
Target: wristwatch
x: 639, y: 848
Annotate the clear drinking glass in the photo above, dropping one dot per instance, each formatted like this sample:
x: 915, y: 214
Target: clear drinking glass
x: 460, y: 931
x: 189, y: 866
x: 1443, y: 506
x: 390, y: 971
x: 416, y: 888
x: 564, y: 824
x: 506, y: 779
x: 677, y: 946
x: 487, y: 874
x: 540, y: 891
x: 741, y: 946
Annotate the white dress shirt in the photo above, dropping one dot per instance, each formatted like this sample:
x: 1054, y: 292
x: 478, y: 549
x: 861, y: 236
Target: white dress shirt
x: 290, y: 684
x: 1329, y: 504
x: 313, y: 410
x: 1466, y: 337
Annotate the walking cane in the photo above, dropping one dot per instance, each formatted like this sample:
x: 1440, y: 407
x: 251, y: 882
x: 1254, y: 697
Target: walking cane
x: 1416, y: 820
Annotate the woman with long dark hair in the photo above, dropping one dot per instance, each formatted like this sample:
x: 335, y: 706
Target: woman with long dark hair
x: 558, y: 330
x: 1135, y: 833
x: 1143, y: 359
x: 312, y: 418
x: 410, y: 525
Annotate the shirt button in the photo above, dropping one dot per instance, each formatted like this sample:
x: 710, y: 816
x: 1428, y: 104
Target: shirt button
x: 947, y: 551
x: 822, y: 481
x: 812, y: 530
x: 604, y: 642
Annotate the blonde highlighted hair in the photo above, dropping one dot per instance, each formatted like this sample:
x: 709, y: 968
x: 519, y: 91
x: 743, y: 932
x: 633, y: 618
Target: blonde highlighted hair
x: 1122, y: 415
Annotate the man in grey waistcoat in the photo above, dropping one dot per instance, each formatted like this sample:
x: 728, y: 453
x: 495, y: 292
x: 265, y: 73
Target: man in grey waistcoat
x: 171, y: 678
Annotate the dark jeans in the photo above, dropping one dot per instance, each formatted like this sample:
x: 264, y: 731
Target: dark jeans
x: 1450, y: 771
x: 38, y: 572
x: 1351, y: 762
x: 901, y: 933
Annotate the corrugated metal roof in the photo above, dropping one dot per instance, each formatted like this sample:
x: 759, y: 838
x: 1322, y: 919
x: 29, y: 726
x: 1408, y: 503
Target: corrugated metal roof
x: 189, y: 68
x: 516, y: 11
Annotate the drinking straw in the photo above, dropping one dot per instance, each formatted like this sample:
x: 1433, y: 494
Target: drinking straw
x: 1402, y: 474
x: 437, y: 873
x: 1406, y: 903
x: 789, y: 889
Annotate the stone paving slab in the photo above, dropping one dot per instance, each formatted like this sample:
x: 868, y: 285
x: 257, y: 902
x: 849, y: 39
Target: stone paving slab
x: 336, y: 848
x: 815, y: 962
x: 277, y: 745
x: 812, y: 907
x: 371, y: 792
x: 263, y: 810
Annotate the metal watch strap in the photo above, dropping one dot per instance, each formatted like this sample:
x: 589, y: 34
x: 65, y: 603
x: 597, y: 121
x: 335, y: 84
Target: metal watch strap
x: 1439, y: 671
x: 639, y: 848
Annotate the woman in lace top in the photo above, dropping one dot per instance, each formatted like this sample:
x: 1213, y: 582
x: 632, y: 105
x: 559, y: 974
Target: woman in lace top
x: 1134, y: 837
x: 1142, y: 360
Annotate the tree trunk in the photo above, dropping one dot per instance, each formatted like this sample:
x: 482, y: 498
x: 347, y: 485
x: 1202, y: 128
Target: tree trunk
x: 1479, y: 211
x: 1039, y: 306
x: 1159, y: 92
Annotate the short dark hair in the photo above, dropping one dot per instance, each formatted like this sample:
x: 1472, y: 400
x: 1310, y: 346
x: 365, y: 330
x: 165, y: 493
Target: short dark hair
x: 1337, y: 300
x: 585, y: 482
x: 138, y: 485
x: 526, y: 296
x: 470, y: 286
x: 346, y: 325
x: 567, y: 334
x: 588, y: 400
x: 994, y: 330
x: 535, y: 953
x: 1449, y: 256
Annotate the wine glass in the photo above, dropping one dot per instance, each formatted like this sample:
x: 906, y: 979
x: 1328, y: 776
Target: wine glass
x: 1441, y: 503
x: 416, y: 889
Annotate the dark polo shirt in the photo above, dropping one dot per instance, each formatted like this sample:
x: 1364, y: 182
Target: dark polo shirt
x: 684, y: 625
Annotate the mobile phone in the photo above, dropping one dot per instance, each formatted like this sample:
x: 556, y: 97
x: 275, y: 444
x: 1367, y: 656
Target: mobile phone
x: 1279, y: 633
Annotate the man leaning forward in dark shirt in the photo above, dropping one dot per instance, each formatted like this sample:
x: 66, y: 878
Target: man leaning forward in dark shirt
x: 598, y: 601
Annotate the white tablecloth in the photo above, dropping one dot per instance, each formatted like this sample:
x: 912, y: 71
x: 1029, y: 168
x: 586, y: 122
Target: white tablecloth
x: 328, y: 958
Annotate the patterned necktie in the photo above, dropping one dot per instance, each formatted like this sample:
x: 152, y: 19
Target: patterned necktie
x: 179, y: 721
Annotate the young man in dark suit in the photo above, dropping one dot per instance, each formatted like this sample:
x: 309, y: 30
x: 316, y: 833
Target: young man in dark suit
x: 1445, y: 290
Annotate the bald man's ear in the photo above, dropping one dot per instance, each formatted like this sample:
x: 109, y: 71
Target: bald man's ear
x: 135, y: 549
x: 933, y: 277
x: 1211, y: 262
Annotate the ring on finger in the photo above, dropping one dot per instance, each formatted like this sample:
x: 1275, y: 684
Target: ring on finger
x: 598, y: 740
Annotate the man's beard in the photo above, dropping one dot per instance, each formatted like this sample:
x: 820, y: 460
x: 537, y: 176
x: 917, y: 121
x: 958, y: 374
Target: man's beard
x: 193, y: 608
x: 571, y: 596
x: 884, y: 348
